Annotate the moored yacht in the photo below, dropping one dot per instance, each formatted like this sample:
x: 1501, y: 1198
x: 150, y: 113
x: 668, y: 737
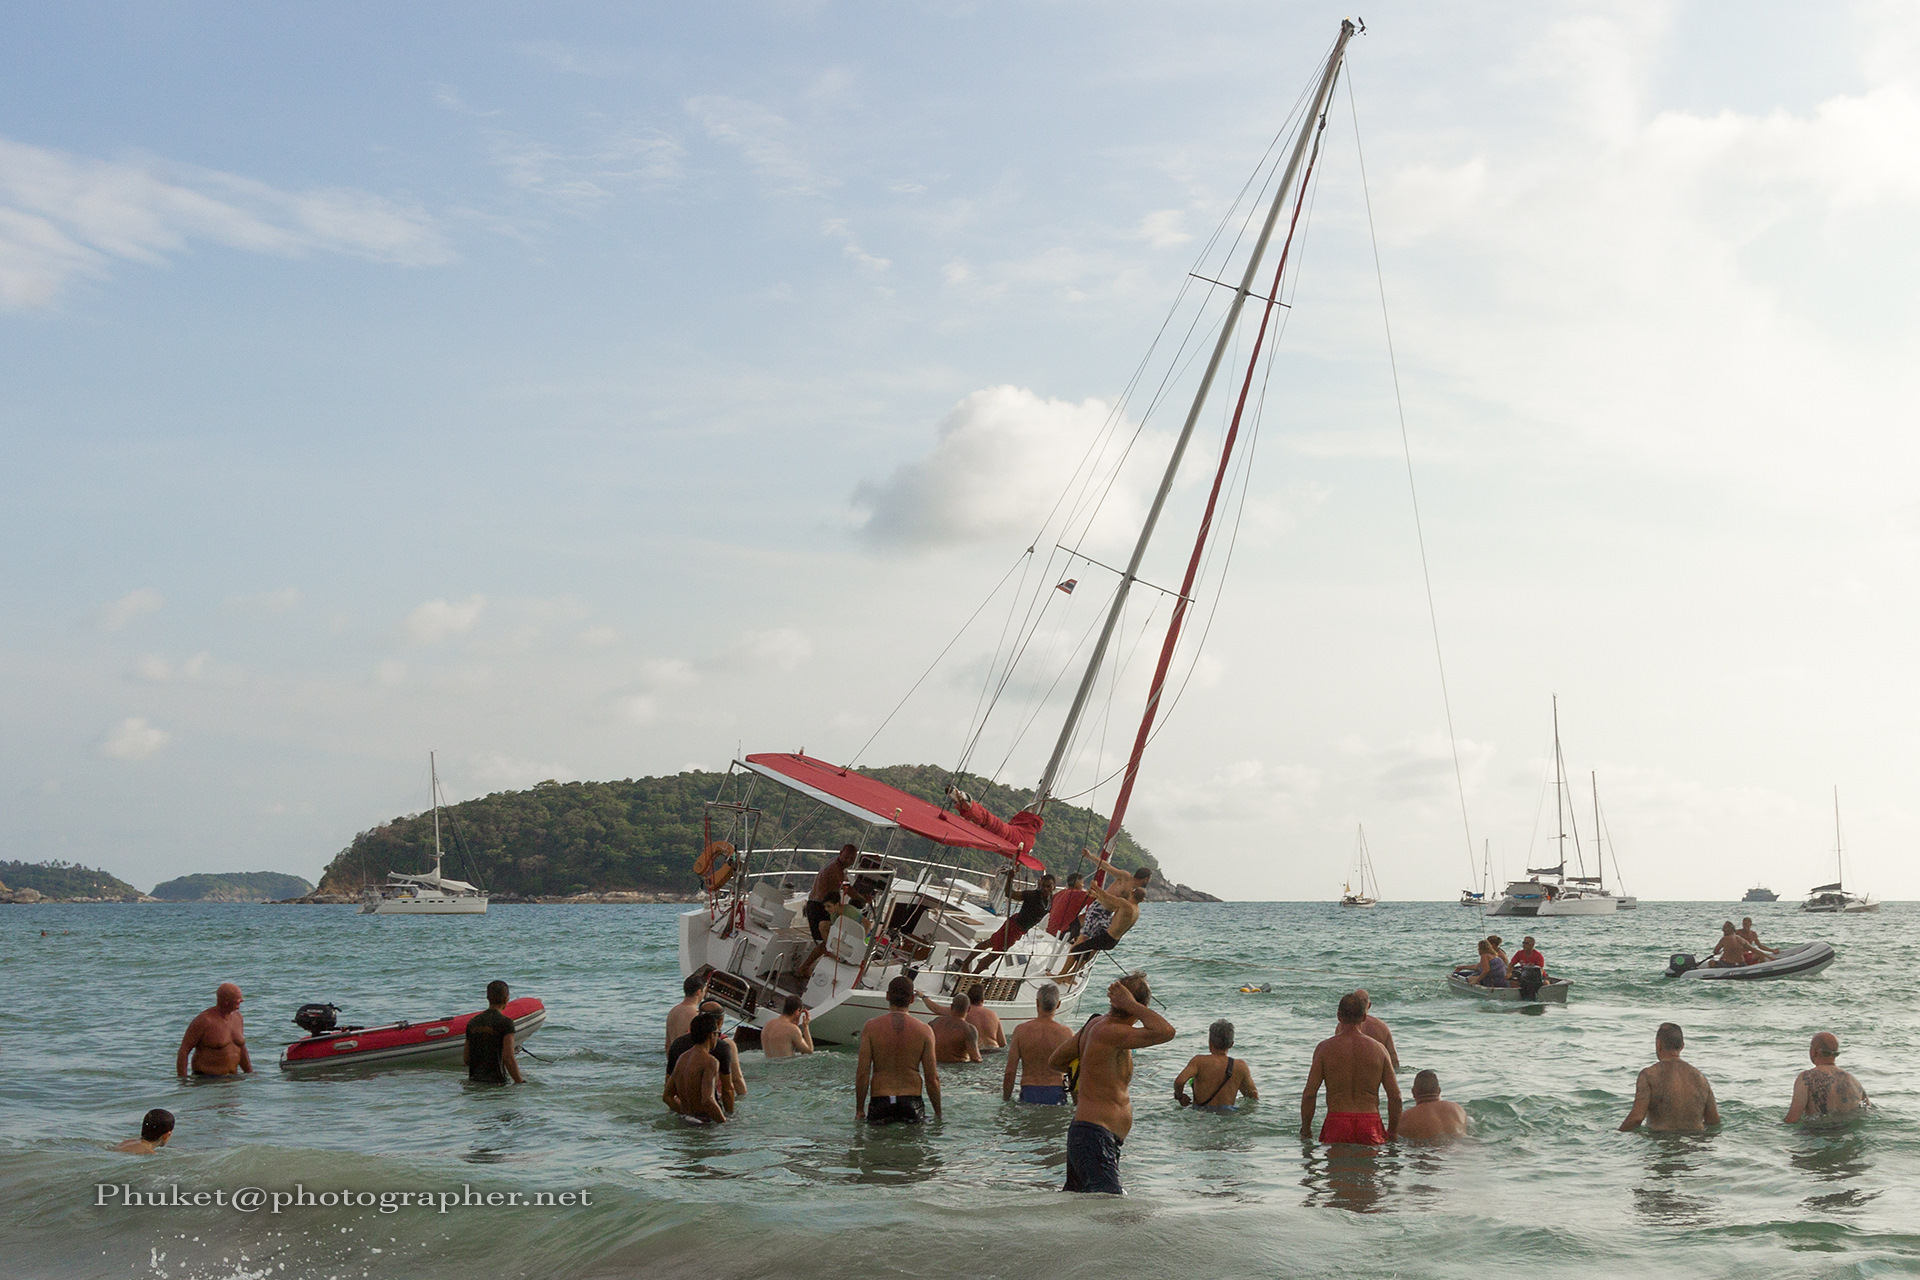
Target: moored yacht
x: 1832, y: 899
x: 433, y: 894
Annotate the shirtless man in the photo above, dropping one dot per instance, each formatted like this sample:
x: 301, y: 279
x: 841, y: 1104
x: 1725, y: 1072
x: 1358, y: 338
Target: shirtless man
x: 1108, y: 917
x: 735, y: 1084
x: 691, y: 1085
x: 680, y: 1017
x: 984, y: 1020
x: 1431, y: 1118
x: 1218, y: 1080
x: 1825, y: 1090
x: 821, y: 900
x: 1377, y: 1030
x: 1030, y: 1048
x: 790, y: 1033
x: 1103, y: 1108
x: 1732, y: 949
x: 1354, y: 1067
x: 1671, y: 1096
x: 896, y: 1061
x: 216, y: 1041
x: 155, y: 1128
x: 955, y: 1038
x: 1752, y: 937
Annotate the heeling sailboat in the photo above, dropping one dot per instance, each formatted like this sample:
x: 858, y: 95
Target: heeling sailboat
x: 428, y: 895
x: 924, y: 918
x: 1831, y: 899
x: 1368, y: 894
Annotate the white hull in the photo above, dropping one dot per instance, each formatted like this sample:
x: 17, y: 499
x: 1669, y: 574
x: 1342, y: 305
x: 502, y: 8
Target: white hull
x: 1359, y: 902
x: 427, y: 906
x: 1579, y: 905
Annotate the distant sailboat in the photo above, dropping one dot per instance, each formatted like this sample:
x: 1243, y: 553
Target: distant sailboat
x: 1478, y: 897
x: 1831, y: 899
x: 1368, y: 893
x: 1563, y: 895
x: 428, y: 895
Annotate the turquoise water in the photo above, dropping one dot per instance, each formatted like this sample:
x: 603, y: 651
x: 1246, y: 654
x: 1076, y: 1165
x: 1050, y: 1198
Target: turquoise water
x: 795, y: 1188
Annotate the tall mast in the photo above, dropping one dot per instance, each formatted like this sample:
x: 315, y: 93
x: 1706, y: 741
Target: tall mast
x: 1044, y: 790
x: 433, y: 772
x: 1599, y: 854
x: 1839, y: 872
x: 1559, y: 782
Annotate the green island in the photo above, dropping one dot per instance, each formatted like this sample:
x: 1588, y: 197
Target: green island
x: 63, y: 881
x: 232, y: 886
x: 559, y: 839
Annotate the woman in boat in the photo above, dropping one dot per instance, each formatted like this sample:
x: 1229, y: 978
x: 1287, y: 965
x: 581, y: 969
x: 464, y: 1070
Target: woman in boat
x: 1492, y: 971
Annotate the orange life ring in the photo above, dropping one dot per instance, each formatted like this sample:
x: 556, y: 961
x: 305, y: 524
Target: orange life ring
x: 714, y: 866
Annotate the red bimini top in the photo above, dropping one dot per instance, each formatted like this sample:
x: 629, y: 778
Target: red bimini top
x: 873, y: 801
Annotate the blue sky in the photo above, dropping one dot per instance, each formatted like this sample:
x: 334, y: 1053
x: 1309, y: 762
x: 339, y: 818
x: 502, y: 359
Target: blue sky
x: 585, y: 393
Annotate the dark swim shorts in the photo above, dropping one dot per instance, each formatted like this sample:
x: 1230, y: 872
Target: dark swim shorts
x: 1043, y: 1095
x: 1101, y: 941
x: 905, y: 1108
x: 818, y: 919
x: 1093, y: 1159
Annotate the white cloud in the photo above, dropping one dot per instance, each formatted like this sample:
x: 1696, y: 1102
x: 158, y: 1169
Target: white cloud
x: 133, y: 739
x: 285, y: 600
x: 135, y: 604
x: 851, y: 249
x: 599, y: 637
x: 155, y: 669
x: 64, y: 216
x: 783, y: 648
x: 439, y: 620
x: 390, y: 673
x: 1161, y: 229
x: 508, y: 773
x: 586, y: 177
x: 669, y: 673
x: 766, y: 141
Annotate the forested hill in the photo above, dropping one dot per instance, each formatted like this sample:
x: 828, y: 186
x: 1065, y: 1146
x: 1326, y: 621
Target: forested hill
x: 644, y: 833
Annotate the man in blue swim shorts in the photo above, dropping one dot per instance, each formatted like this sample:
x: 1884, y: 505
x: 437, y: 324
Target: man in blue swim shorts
x: 1032, y: 1043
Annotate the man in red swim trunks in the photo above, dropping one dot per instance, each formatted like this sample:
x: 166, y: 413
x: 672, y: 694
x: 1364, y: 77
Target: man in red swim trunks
x: 1354, y: 1066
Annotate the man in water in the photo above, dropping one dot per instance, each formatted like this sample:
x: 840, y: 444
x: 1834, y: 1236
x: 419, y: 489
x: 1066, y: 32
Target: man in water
x: 955, y: 1038
x: 216, y: 1040
x: 1217, y: 1079
x: 897, y: 1062
x: 1825, y: 1090
x: 1377, y: 1030
x: 1752, y: 937
x: 1732, y: 950
x: 680, y: 1017
x: 1527, y: 954
x: 1063, y: 917
x: 1671, y: 1096
x: 1034, y: 904
x: 790, y: 1033
x: 156, y: 1127
x: 1431, y: 1118
x: 1030, y: 1049
x: 488, y: 1053
x: 735, y: 1083
x: 984, y: 1020
x: 821, y: 899
x: 1103, y: 1108
x: 1354, y: 1067
x: 692, y: 1081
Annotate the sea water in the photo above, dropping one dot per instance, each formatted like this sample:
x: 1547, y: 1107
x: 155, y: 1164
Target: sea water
x: 94, y: 1010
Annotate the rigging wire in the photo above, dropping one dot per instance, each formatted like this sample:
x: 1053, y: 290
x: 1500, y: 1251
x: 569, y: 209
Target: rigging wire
x: 1406, y: 444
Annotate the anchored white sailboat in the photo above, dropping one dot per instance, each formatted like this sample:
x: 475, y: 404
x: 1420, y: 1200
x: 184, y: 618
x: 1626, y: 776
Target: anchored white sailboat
x: 1559, y: 894
x: 1368, y: 894
x: 1831, y: 899
x: 919, y: 909
x: 427, y: 895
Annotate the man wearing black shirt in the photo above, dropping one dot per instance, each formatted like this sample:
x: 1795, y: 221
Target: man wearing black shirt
x: 489, y: 1049
x: 1033, y: 909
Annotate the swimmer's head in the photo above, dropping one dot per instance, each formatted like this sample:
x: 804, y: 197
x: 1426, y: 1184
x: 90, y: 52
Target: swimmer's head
x: 961, y: 1003
x: 900, y: 992
x: 1220, y: 1036
x: 1353, y: 1008
x: 227, y: 996
x: 1047, y: 998
x: 1426, y: 1084
x: 791, y: 1006
x: 498, y: 992
x: 703, y: 1027
x: 1825, y: 1047
x: 156, y: 1125
x: 1670, y: 1038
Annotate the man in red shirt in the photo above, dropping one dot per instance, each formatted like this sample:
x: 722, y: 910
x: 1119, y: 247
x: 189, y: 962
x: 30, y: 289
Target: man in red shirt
x: 1528, y: 954
x: 1067, y: 906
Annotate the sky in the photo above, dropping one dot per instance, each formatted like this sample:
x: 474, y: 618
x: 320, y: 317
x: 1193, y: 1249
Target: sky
x: 599, y: 391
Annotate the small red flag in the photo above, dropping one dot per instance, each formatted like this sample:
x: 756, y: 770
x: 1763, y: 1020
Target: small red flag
x: 1068, y: 585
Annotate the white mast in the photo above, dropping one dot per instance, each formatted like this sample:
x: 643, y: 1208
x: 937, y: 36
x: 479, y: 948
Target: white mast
x: 1043, y: 792
x: 433, y: 772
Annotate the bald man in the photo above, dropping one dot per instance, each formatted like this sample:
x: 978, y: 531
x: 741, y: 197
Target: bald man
x: 1825, y: 1090
x: 216, y: 1040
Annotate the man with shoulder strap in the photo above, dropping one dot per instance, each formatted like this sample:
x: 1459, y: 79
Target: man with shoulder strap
x: 1218, y: 1080
x: 1103, y: 1107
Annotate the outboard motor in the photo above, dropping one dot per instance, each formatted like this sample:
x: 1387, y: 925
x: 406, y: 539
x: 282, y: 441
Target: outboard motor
x: 1529, y: 979
x: 1679, y: 963
x: 317, y: 1019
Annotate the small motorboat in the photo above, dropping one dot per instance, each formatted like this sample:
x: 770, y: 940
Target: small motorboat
x: 330, y: 1045
x: 1792, y: 962
x: 1523, y: 991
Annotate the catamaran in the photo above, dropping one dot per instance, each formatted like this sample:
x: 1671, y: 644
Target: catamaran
x: 1362, y: 873
x: 923, y: 907
x: 1559, y: 894
x: 1831, y: 899
x: 433, y: 894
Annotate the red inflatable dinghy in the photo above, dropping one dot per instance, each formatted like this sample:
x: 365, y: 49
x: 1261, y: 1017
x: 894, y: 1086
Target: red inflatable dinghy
x: 403, y: 1041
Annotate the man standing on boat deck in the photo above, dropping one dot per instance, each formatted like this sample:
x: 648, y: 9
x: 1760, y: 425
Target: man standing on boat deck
x: 828, y: 884
x: 1671, y: 1096
x: 1063, y: 917
x: 955, y: 1038
x: 1354, y: 1067
x: 691, y: 1084
x: 897, y: 1062
x: 1034, y: 904
x: 680, y: 1017
x: 1825, y: 1090
x: 1377, y: 1030
x: 488, y: 1052
x: 216, y: 1040
x: 1030, y: 1049
x: 1103, y: 1107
